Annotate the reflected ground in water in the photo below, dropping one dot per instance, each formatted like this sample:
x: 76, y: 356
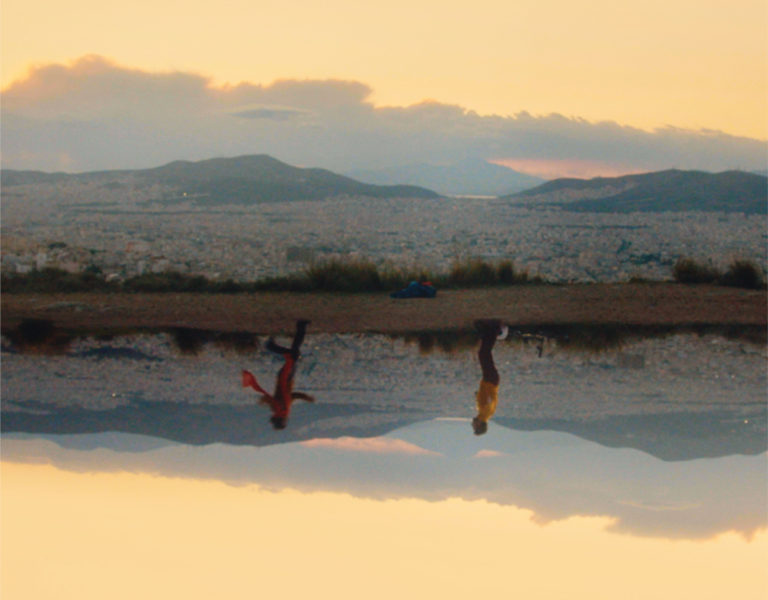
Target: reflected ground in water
x: 652, y: 439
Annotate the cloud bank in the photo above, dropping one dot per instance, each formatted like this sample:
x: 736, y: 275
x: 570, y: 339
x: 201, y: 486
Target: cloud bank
x: 376, y: 445
x: 94, y: 114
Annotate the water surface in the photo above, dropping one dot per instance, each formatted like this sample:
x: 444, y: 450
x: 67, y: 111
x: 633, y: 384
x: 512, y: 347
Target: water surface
x: 132, y: 467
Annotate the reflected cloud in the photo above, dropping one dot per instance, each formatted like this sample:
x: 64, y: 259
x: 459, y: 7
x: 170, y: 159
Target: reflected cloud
x: 488, y: 454
x: 181, y: 537
x: 379, y: 429
x: 378, y: 445
x: 555, y: 475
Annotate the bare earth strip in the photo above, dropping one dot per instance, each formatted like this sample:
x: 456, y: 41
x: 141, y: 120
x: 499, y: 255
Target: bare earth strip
x: 271, y: 313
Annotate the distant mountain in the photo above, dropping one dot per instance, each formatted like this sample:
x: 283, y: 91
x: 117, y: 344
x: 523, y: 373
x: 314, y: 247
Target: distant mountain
x: 240, y: 180
x: 466, y: 178
x: 10, y: 177
x: 662, y: 191
x: 208, y: 424
x: 670, y: 437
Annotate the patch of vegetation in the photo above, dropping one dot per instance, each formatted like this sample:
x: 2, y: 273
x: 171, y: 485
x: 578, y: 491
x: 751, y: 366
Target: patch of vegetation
x: 479, y: 273
x: 344, y: 276
x: 173, y: 281
x: 38, y: 336
x: 348, y: 276
x: 744, y: 274
x: 688, y: 270
x: 49, y: 281
x: 740, y: 273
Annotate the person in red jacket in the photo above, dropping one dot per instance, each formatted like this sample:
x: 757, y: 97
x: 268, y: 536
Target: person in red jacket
x: 280, y: 402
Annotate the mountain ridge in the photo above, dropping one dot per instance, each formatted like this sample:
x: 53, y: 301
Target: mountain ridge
x: 668, y: 437
x: 246, y: 179
x: 672, y: 190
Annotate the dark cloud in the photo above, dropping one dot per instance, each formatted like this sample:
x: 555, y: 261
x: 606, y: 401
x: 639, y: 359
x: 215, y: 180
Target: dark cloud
x: 94, y: 114
x: 275, y: 114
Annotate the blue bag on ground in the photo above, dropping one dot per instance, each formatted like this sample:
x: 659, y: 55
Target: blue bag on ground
x: 416, y: 289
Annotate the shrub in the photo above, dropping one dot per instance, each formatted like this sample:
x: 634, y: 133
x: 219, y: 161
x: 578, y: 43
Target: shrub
x: 741, y: 273
x: 505, y: 272
x: 744, y: 274
x: 344, y: 276
x: 476, y: 272
x: 38, y: 335
x: 687, y: 270
x: 471, y: 273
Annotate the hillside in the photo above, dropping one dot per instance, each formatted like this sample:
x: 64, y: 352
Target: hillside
x: 240, y: 180
x: 662, y: 191
x: 465, y: 178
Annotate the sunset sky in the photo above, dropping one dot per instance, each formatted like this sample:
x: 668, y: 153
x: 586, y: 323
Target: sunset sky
x: 687, y: 75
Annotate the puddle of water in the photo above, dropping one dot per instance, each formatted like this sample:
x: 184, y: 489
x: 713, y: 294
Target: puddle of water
x: 647, y: 456
x: 680, y: 396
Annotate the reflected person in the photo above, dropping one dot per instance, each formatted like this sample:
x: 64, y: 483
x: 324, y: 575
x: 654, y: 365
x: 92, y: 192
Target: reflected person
x: 487, y: 393
x: 280, y: 402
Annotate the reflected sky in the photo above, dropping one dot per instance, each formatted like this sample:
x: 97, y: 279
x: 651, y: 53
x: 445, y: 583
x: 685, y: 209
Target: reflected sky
x: 552, y: 474
x: 131, y: 470
x: 130, y: 534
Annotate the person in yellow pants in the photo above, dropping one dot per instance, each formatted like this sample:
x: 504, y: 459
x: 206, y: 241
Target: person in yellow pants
x: 488, y: 392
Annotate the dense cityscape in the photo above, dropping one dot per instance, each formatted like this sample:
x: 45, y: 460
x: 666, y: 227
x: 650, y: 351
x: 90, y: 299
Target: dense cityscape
x: 122, y: 231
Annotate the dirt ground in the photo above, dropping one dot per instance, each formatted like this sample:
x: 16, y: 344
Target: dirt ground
x: 271, y: 313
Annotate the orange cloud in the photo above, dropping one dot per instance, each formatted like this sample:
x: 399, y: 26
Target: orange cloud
x: 488, y: 454
x: 374, y: 445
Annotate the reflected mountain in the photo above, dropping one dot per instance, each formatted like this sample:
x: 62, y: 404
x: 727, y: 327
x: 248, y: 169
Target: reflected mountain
x: 555, y: 475
x: 670, y: 437
x: 676, y: 397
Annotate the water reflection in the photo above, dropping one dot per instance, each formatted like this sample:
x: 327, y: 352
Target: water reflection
x: 591, y: 465
x: 554, y: 475
x: 677, y: 398
x: 487, y: 396
x: 281, y: 400
x: 587, y: 337
x: 127, y: 535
